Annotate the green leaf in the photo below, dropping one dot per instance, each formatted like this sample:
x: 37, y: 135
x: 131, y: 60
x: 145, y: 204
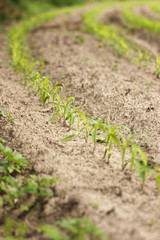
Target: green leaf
x: 157, y: 177
x: 11, y: 168
x: 70, y: 99
x: 143, y: 170
x: 34, y: 177
x: 140, y: 170
x: 45, y: 192
x: 94, y: 134
x: 54, y: 118
x: 52, y: 232
x: 72, y: 119
x: 47, y: 181
x: 11, y: 181
x: 69, y: 138
x: 82, y: 116
x: 1, y: 202
x: 8, y: 150
x: 3, y: 187
x: 142, y: 154
x: 2, y: 140
x: 3, y: 163
x: 117, y: 142
x: 1, y: 114
x: 30, y: 188
x: 90, y: 120
x: 9, y: 200
x: 19, y: 159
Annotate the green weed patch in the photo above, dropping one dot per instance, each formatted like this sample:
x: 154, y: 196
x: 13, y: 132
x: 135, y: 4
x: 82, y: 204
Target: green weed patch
x: 15, y: 182
x: 75, y: 228
x: 66, y: 229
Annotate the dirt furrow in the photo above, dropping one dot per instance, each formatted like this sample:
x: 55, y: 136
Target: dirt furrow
x: 146, y: 12
x: 141, y: 37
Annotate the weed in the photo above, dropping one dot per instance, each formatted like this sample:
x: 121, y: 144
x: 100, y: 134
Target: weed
x: 15, y: 187
x: 38, y: 187
x: 17, y: 228
x: 66, y: 229
x: 14, y: 190
x: 13, y: 162
x: 75, y: 228
x: 79, y: 39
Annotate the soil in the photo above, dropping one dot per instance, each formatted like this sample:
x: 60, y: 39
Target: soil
x: 142, y: 37
x: 145, y: 11
x: 108, y: 87
x: 112, y: 16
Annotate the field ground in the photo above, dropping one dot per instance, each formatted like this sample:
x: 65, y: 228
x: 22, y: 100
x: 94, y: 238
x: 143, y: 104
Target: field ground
x: 107, y: 86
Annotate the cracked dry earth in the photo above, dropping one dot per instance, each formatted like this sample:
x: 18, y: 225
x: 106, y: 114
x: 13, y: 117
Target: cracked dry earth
x: 87, y: 187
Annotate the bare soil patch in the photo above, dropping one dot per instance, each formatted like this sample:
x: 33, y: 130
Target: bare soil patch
x: 108, y: 87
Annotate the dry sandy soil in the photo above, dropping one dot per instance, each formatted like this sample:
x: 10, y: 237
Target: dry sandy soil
x: 108, y: 87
